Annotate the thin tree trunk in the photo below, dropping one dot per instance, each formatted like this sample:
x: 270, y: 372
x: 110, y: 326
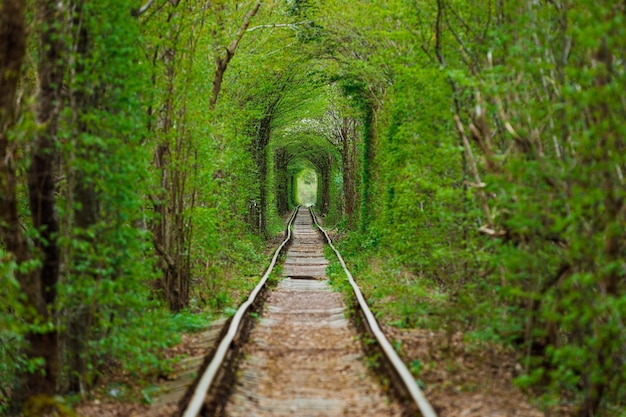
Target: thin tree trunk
x: 41, y: 185
x: 81, y: 315
x: 221, y: 62
x: 326, y: 178
x: 282, y: 183
x: 166, y: 205
x: 369, y: 135
x: 261, y: 160
x: 348, y: 154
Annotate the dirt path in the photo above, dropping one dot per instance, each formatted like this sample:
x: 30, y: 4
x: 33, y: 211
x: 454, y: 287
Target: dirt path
x: 304, y: 357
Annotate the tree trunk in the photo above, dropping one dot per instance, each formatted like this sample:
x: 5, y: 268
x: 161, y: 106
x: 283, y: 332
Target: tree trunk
x: 39, y: 284
x: 292, y: 191
x: 260, y: 154
x: 282, y: 183
x: 41, y: 184
x: 170, y: 228
x: 348, y: 167
x: 81, y: 317
x: 324, y: 183
x: 12, y: 49
x: 367, y: 168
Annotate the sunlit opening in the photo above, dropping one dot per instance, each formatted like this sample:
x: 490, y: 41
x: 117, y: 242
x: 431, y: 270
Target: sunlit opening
x: 307, y: 187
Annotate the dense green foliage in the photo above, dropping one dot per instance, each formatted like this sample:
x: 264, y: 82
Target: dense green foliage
x: 473, y: 152
x: 498, y: 169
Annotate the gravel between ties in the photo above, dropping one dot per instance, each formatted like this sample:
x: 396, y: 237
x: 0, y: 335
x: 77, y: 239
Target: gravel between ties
x: 304, y: 357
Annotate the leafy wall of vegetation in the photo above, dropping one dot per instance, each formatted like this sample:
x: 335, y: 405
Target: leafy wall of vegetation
x: 499, y: 176
x: 476, y: 149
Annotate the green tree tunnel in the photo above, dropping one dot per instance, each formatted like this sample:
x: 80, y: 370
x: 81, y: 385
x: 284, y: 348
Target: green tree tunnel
x: 472, y: 154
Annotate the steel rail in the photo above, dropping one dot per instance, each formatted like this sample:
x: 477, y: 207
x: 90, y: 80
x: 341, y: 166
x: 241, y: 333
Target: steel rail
x: 197, y: 400
x: 405, y: 375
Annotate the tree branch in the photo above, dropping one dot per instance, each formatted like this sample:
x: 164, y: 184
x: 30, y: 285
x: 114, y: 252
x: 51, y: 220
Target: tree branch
x: 138, y: 12
x: 166, y: 256
x: 221, y: 63
x: 474, y: 169
x: 439, y: 34
x: 292, y: 26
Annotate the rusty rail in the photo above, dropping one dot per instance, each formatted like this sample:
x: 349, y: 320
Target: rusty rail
x: 409, y: 384
x: 202, y: 388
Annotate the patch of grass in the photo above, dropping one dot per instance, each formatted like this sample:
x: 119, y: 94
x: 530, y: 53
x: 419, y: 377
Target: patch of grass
x: 395, y: 296
x: 189, y: 322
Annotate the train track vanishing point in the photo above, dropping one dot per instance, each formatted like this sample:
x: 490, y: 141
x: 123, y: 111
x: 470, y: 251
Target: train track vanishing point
x: 301, y: 356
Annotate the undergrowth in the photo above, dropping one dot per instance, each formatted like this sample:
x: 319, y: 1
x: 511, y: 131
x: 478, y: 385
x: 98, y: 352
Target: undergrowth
x: 396, y: 297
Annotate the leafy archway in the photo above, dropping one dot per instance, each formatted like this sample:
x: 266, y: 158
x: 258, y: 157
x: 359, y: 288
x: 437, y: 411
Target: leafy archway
x: 294, y: 154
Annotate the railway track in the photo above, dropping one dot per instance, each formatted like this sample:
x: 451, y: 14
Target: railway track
x: 291, y: 351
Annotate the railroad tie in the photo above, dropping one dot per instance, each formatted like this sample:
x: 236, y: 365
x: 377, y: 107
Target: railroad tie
x: 304, y: 357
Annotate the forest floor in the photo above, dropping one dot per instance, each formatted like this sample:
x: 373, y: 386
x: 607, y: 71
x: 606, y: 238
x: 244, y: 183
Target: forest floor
x: 103, y: 404
x: 460, y: 376
x: 461, y: 379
